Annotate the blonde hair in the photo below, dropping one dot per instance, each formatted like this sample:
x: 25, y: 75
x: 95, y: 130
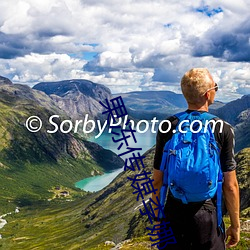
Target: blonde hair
x: 195, y: 83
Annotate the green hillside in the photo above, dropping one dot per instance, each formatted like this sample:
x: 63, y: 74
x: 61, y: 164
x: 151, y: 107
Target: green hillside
x: 31, y: 164
x: 111, y: 214
x: 38, y: 172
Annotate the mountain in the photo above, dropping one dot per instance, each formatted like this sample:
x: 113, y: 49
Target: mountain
x: 159, y: 104
x: 34, y: 165
x: 237, y: 114
x: 232, y: 110
x: 111, y: 214
x: 80, y: 97
x: 216, y: 105
x: 77, y: 97
x: 31, y: 164
x: 242, y: 130
x: 149, y: 104
x: 4, y: 80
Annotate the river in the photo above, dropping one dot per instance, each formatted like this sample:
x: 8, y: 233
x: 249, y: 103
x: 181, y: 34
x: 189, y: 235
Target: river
x: 144, y: 140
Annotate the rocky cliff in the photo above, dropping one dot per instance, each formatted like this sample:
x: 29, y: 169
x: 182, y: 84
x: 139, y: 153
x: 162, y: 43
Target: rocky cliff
x: 77, y: 97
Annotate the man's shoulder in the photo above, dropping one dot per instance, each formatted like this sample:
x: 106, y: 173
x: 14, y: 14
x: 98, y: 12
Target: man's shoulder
x: 220, y: 124
x: 226, y: 127
x: 173, y: 121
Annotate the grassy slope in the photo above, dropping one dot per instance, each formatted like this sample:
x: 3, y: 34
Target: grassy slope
x: 25, y: 170
x: 32, y: 163
x: 106, y: 215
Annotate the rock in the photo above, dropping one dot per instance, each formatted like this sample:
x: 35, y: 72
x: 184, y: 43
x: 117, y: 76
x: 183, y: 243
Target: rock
x: 77, y: 97
x: 109, y: 243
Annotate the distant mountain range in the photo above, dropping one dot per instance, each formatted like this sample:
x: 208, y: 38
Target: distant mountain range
x: 149, y: 104
x: 159, y: 104
x: 80, y: 97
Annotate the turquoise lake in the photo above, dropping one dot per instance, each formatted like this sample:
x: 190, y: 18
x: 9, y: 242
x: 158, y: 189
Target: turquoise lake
x: 144, y: 140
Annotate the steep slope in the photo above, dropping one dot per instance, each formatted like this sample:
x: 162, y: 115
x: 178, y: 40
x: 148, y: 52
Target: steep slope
x: 32, y: 163
x: 76, y: 97
x: 242, y: 130
x: 237, y: 114
x: 232, y: 110
x: 243, y: 175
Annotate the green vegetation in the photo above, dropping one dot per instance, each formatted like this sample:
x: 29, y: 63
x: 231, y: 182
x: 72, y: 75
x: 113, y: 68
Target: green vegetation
x: 243, y: 176
x: 49, y: 225
x: 32, y: 163
x: 37, y: 169
x: 244, y: 243
x: 57, y: 225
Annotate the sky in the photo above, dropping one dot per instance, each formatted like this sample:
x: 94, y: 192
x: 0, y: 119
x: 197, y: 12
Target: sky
x: 127, y: 45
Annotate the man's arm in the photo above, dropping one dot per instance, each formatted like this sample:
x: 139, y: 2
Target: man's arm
x: 231, y: 195
x: 157, y: 183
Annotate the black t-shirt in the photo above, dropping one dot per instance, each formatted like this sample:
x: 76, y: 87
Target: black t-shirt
x: 225, y: 141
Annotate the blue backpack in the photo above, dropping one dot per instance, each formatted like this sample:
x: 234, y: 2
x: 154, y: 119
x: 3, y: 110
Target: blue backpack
x: 191, y: 162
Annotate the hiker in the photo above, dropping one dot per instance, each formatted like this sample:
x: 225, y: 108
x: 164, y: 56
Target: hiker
x: 196, y: 224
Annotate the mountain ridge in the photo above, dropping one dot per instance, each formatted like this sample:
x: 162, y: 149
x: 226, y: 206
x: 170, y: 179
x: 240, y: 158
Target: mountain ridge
x: 4, y: 80
x: 76, y: 97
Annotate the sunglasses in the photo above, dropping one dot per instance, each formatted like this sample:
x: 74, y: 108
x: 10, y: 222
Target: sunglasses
x: 216, y: 87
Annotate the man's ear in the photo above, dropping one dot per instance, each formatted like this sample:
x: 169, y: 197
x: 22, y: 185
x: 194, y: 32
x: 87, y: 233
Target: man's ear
x: 207, y: 95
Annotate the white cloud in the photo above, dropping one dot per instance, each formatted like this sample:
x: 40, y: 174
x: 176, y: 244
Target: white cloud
x: 141, y: 44
x: 34, y: 68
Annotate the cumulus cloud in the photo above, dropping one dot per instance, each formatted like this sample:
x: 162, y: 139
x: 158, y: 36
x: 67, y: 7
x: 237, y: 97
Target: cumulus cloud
x: 231, y: 45
x: 140, y: 45
x: 34, y: 68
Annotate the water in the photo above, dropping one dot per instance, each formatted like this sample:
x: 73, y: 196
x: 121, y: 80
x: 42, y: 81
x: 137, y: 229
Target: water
x: 144, y: 140
x: 98, y: 182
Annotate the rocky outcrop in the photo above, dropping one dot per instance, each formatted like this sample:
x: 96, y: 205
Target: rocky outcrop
x: 77, y: 97
x: 242, y: 130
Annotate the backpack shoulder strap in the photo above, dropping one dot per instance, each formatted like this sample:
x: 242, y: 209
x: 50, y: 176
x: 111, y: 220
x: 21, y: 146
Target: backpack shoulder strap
x: 182, y: 115
x: 208, y: 116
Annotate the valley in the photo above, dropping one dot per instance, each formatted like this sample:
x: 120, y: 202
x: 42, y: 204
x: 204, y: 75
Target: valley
x: 38, y: 171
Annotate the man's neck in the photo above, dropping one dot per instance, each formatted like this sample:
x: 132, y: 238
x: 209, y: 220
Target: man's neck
x: 198, y: 107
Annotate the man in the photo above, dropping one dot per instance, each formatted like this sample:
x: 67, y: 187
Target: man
x: 194, y: 224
